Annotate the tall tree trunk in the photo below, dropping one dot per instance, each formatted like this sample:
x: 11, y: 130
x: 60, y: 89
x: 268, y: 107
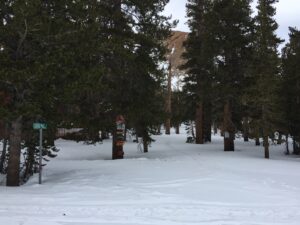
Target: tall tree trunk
x: 257, y: 142
x: 3, y: 156
x: 177, y: 129
x: 207, y: 123
x: 145, y: 144
x: 266, y: 146
x: 245, y: 129
x: 104, y: 135
x: 199, y: 124
x: 168, y: 126
x: 265, y: 133
x: 168, y: 101
x: 296, y: 149
x: 159, y: 129
x: 228, y: 128
x: 208, y: 133
x: 287, y: 144
x: 215, y: 128
x: 4, y: 149
x: 13, y: 169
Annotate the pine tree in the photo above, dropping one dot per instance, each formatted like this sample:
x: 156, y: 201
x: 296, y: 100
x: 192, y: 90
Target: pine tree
x: 199, y: 61
x: 136, y: 32
x: 21, y: 65
x: 291, y: 87
x: 266, y: 63
x: 147, y: 76
x: 43, y: 48
x: 233, y: 36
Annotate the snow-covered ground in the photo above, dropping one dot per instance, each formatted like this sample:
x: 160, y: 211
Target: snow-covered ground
x: 174, y: 184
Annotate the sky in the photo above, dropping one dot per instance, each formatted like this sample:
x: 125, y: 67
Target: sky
x: 288, y: 14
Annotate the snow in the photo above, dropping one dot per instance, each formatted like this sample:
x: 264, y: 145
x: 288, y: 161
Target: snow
x: 174, y: 184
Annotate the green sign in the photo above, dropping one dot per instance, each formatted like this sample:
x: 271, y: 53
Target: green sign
x: 38, y: 126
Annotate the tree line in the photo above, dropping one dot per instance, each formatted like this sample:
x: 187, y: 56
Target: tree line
x: 83, y: 63
x: 77, y: 64
x: 237, y: 80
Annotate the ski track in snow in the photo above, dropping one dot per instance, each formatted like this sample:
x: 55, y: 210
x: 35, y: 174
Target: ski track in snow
x: 175, y: 183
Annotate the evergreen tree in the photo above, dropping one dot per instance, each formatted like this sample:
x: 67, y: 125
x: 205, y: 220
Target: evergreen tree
x: 146, y: 75
x: 23, y: 29
x: 136, y: 32
x: 233, y: 31
x: 266, y: 61
x: 43, y: 48
x: 291, y: 87
x: 199, y: 62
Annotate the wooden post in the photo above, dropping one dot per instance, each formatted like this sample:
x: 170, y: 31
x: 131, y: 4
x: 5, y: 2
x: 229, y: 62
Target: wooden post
x: 118, y: 138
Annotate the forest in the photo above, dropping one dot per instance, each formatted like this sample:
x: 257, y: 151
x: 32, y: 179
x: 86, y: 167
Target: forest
x: 107, y: 67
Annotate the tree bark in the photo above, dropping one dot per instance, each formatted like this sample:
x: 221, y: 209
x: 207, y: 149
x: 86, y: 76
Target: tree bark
x: 145, y: 144
x: 104, y: 135
x: 228, y: 128
x: 296, y: 149
x: 3, y: 156
x: 257, y: 142
x: 177, y: 129
x: 287, y: 144
x: 265, y: 133
x: 266, y: 146
x: 245, y: 129
x: 13, y: 169
x: 215, y: 128
x: 207, y: 123
x: 4, y: 149
x: 159, y: 129
x: 168, y: 101
x: 199, y: 124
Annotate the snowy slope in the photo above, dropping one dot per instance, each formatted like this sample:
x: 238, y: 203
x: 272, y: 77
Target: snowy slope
x: 175, y: 183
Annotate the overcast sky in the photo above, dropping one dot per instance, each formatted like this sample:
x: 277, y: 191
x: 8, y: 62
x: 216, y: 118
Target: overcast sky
x: 288, y: 14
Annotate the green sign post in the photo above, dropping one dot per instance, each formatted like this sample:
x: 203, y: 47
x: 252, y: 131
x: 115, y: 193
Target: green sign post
x: 40, y: 127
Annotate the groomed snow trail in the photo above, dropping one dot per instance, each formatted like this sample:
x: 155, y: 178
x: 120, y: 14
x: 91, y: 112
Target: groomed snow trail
x: 175, y: 183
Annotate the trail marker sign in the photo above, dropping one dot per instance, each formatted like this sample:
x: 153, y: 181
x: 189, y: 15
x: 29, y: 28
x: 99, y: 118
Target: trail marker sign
x: 38, y: 126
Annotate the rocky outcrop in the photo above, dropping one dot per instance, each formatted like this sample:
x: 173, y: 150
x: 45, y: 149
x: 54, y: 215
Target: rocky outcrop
x: 176, y: 48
